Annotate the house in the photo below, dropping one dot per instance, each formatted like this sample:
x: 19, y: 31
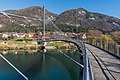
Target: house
x: 38, y: 33
x: 30, y: 35
x: 71, y: 35
x: 5, y: 35
x: 47, y: 33
x: 59, y: 35
x: 37, y: 37
x: 14, y: 34
x: 21, y: 35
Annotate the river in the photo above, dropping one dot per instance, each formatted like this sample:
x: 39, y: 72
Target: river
x: 52, y: 65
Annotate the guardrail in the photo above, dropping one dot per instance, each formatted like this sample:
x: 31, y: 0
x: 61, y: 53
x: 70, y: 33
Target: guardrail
x: 87, y: 73
x: 87, y: 70
x: 110, y: 46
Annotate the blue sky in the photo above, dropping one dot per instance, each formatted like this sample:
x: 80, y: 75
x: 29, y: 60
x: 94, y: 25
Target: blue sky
x: 109, y: 7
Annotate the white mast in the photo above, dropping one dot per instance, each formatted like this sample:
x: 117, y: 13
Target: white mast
x: 44, y: 23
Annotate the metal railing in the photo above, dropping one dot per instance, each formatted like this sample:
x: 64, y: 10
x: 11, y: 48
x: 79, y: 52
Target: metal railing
x: 87, y: 70
x: 110, y: 46
x: 87, y: 73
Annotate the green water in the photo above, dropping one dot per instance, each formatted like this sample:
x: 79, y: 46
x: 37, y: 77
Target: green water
x: 51, y: 65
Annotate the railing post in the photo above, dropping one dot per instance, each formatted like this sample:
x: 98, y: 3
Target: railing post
x: 118, y: 50
x: 108, y: 46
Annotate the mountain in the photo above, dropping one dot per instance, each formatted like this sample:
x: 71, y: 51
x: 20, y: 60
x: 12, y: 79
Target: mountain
x: 74, y: 20
x: 19, y: 24
x: 83, y: 20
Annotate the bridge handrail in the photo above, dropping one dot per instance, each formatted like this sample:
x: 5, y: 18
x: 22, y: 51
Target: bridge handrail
x: 87, y: 70
x: 87, y: 73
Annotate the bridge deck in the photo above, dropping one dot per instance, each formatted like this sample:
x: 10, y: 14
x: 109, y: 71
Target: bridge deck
x: 104, y: 65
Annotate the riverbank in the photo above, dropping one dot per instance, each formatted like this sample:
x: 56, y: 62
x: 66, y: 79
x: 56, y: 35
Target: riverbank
x: 32, y: 45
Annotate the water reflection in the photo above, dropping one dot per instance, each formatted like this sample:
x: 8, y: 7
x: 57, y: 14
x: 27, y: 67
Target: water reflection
x: 50, y: 65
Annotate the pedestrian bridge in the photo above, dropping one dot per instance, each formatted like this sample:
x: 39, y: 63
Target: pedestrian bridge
x: 105, y: 66
x: 97, y: 64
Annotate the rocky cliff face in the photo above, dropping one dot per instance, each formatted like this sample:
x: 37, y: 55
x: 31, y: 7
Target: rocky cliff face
x: 76, y: 18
